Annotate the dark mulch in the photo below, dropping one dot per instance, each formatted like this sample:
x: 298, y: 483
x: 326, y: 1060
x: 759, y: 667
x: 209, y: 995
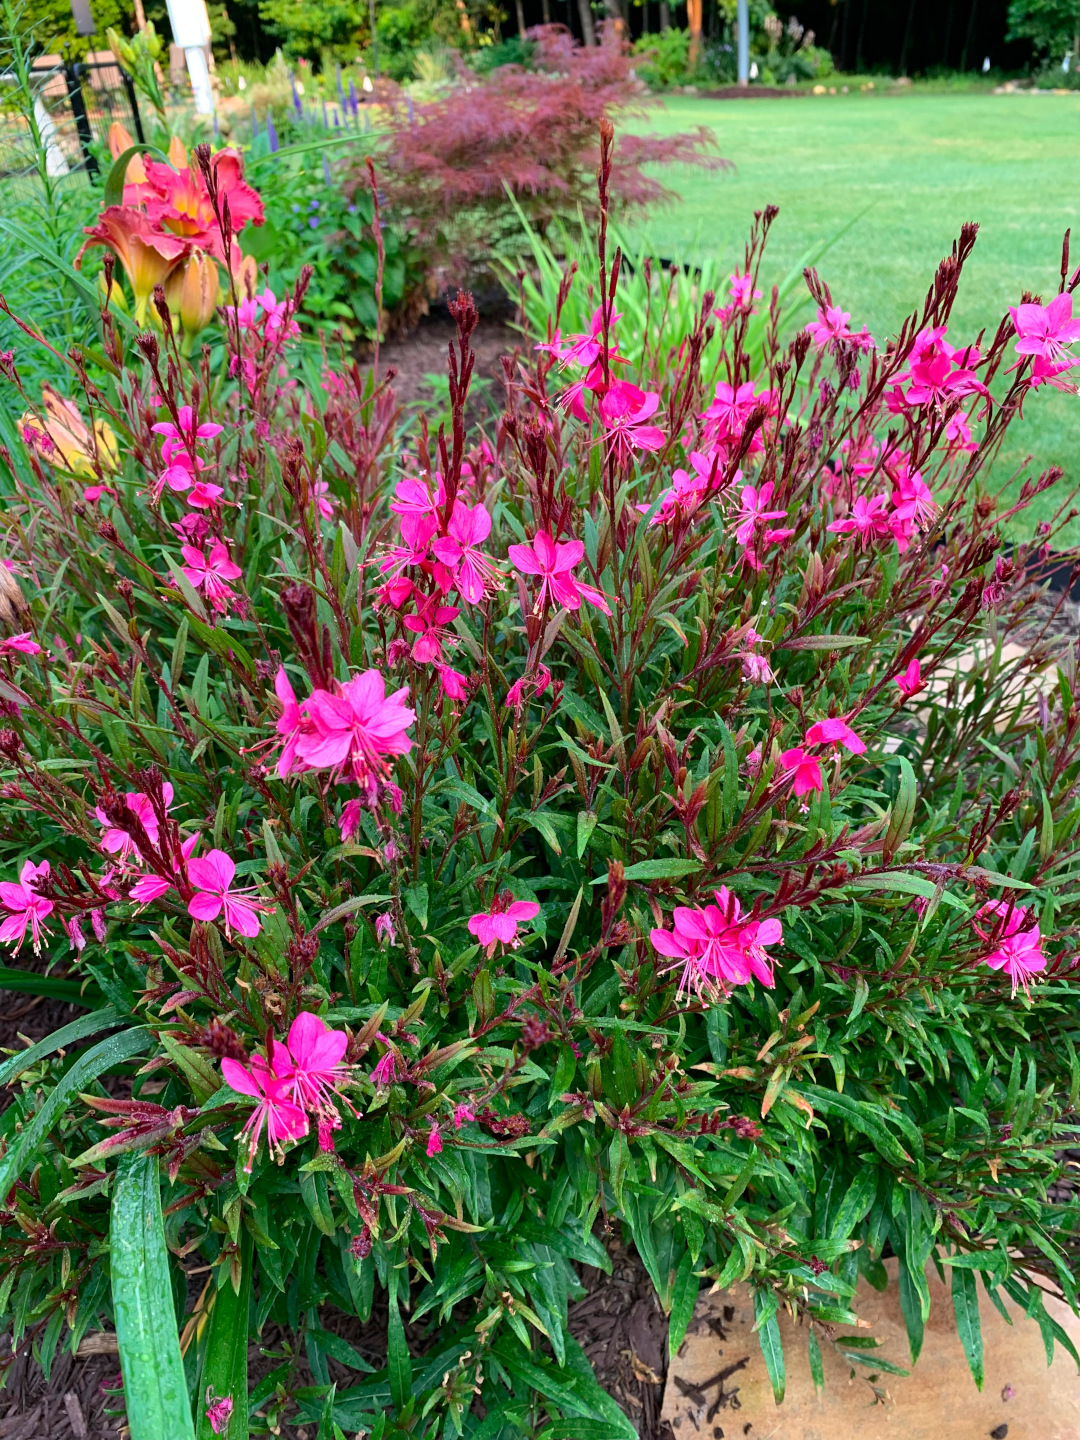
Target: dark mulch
x: 750, y: 92
x: 423, y: 353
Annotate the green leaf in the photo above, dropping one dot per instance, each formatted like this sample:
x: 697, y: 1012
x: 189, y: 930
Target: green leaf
x: 911, y: 1307
x: 155, y: 1391
x: 768, y: 1333
x: 398, y: 1359
x: 905, y: 883
x: 195, y: 1068
x: 416, y: 898
x: 817, y: 1369
x: 683, y: 1299
x: 114, y: 181
x: 54, y: 987
x: 81, y: 1029
x: 657, y: 870
x: 586, y: 824
x: 225, y: 1367
x: 95, y: 1062
x: 965, y: 1299
x: 903, y: 812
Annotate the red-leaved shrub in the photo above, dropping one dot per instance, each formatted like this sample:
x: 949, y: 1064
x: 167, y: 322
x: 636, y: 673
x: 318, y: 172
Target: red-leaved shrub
x: 533, y: 134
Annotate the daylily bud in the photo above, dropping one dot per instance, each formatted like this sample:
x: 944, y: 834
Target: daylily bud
x: 178, y: 156
x: 192, y: 291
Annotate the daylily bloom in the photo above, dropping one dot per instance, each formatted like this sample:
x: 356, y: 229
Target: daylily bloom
x: 146, y: 252
x: 283, y: 1118
x: 474, y: 573
x: 1045, y: 330
x: 554, y: 560
x: 356, y: 730
x: 212, y: 876
x: 834, y: 732
x: 807, y: 771
x: 27, y: 910
x: 66, y: 440
x: 210, y: 574
x: 1017, y: 941
x: 499, y: 925
x: 911, y: 681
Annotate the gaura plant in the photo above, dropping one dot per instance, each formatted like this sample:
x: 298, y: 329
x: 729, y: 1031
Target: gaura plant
x: 656, y: 817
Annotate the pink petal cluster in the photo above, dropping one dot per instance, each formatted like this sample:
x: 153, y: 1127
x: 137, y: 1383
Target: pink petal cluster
x: 211, y: 573
x: 218, y: 1411
x: 832, y: 326
x: 725, y: 420
x: 115, y: 841
x: 351, y: 731
x: 687, y: 492
x: 212, y: 875
x: 26, y: 909
x: 182, y: 461
x: 717, y: 948
x: 553, y: 561
x: 303, y: 1077
x: 499, y: 925
x: 625, y: 411
x: 937, y: 373
x: 910, y: 680
x: 1014, y: 933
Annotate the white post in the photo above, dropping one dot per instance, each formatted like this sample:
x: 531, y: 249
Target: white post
x: 191, y: 31
x: 742, y: 21
x: 55, y: 161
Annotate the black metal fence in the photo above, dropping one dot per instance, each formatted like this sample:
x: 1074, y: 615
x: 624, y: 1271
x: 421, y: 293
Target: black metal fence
x: 75, y: 102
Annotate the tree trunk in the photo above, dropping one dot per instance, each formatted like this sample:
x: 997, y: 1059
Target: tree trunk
x: 969, y: 36
x: 693, y: 18
x: 520, y: 18
x: 907, y: 38
x: 546, y: 8
x: 665, y: 16
x: 588, y: 34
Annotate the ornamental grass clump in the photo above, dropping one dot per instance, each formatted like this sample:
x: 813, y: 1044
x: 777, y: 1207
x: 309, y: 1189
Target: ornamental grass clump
x: 653, y: 819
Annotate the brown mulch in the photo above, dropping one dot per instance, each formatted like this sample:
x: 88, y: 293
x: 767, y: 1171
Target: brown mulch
x: 423, y: 353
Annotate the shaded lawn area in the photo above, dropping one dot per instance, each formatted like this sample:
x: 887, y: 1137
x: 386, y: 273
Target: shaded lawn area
x: 927, y: 162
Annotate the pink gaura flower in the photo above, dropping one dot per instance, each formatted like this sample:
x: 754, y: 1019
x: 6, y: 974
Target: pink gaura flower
x: 717, y: 948
x: 434, y: 1140
x: 283, y: 1119
x: 1016, y: 940
x: 385, y: 1072
x: 115, y: 841
x: 727, y: 417
x: 834, y: 732
x: 938, y: 372
x: 151, y: 887
x: 27, y: 910
x: 356, y: 730
x: 218, y: 1412
x: 754, y: 510
x: 806, y: 768
x: 203, y: 495
x: 384, y: 928
x: 534, y: 684
x: 499, y: 925
x: 474, y: 572
x: 211, y: 573
x: 742, y: 297
x: 462, y: 1115
x: 23, y: 644
x: 311, y: 1061
x: 290, y: 725
x: 414, y: 496
x: 417, y: 531
x: 553, y: 561
x: 625, y: 411
x: 189, y: 431
x: 869, y: 518
x: 428, y: 624
x: 212, y: 876
x: 1045, y: 330
x: 686, y: 493
x: 911, y: 681
x: 453, y: 684
x: 585, y: 349
x: 349, y: 823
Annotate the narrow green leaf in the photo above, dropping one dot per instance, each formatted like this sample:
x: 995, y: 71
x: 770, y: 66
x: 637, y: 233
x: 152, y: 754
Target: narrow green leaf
x: 81, y: 1029
x: 683, y: 1299
x: 54, y: 987
x: 114, y: 181
x: 95, y: 1062
x: 911, y: 1308
x: 657, y: 870
x: 399, y: 1361
x: 965, y: 1299
x: 817, y: 1369
x: 225, y: 1367
x: 155, y: 1391
x: 768, y: 1333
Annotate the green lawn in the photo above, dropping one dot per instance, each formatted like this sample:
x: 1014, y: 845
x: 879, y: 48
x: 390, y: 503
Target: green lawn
x: 928, y: 163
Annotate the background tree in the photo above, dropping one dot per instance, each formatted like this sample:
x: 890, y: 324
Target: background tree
x: 1053, y: 26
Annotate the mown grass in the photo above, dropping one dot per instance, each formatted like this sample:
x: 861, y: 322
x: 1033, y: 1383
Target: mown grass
x: 924, y: 163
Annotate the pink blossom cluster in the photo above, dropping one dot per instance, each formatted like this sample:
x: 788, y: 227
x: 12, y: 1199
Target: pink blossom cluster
x: 833, y: 327
x: 301, y: 1076
x: 806, y: 768
x: 717, y: 947
x: 625, y: 410
x: 1043, y: 333
x: 182, y: 461
x: 1013, y: 932
x: 498, y: 926
x: 899, y: 515
x: 353, y: 730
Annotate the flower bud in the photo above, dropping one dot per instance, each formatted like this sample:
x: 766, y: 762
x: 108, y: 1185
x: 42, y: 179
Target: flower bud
x: 192, y: 292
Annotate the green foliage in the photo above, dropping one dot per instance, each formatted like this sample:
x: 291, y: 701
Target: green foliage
x: 664, y: 58
x: 877, y: 1089
x: 1053, y: 26
x: 308, y: 27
